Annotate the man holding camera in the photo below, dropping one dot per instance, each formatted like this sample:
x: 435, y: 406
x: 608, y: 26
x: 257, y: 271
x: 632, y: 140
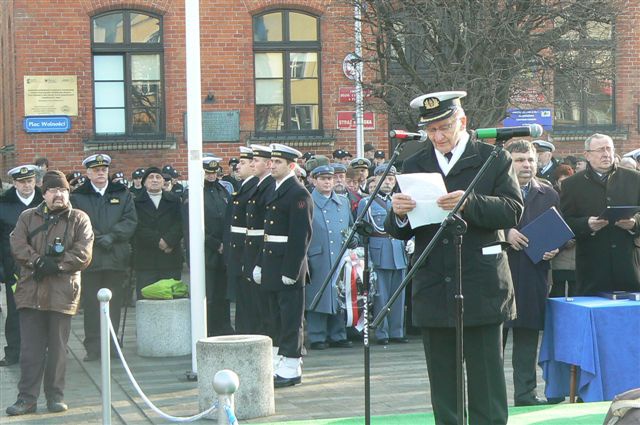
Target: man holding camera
x: 51, y: 244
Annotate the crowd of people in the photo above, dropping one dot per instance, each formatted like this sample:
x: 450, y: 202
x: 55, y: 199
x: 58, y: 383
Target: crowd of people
x: 274, y: 226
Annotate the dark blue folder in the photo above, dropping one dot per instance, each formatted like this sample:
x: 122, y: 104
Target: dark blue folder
x: 614, y: 214
x: 546, y: 232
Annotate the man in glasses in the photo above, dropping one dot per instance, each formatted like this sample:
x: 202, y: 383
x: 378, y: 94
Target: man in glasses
x: 486, y: 279
x: 607, y: 250
x: 51, y: 244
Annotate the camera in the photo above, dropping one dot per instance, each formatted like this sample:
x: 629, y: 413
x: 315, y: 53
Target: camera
x: 56, y: 249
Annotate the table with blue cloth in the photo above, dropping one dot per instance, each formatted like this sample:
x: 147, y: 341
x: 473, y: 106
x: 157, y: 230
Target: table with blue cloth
x: 601, y: 337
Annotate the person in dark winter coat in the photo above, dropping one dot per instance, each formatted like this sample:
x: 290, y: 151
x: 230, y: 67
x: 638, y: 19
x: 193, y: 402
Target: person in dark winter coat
x: 157, y: 250
x: 113, y: 219
x: 495, y: 204
x: 13, y: 202
x: 607, y: 253
x: 51, y: 244
x: 531, y: 282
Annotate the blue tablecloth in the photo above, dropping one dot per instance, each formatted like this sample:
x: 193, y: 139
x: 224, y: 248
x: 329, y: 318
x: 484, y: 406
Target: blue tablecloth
x: 601, y: 337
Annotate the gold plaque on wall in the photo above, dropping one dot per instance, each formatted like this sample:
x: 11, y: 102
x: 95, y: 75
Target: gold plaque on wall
x: 50, y: 95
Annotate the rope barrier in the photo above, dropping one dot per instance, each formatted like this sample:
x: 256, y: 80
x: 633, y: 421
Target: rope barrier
x: 227, y: 408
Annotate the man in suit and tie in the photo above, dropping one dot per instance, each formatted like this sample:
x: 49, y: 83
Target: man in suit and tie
x: 531, y: 282
x: 495, y: 204
x: 281, y: 267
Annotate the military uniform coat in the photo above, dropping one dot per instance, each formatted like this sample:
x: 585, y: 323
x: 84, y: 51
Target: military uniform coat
x: 549, y: 174
x: 531, y: 281
x: 384, y: 252
x: 165, y: 222
x: 331, y: 222
x: 10, y: 209
x: 495, y: 204
x: 112, y: 214
x: 238, y: 218
x: 289, y: 212
x: 255, y: 221
x: 609, y: 259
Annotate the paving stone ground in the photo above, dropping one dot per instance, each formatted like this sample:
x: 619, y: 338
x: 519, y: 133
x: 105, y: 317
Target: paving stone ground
x: 333, y: 384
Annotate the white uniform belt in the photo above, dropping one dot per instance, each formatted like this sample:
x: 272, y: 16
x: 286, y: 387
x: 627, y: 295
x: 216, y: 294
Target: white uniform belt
x: 255, y: 232
x: 236, y: 229
x: 276, y: 238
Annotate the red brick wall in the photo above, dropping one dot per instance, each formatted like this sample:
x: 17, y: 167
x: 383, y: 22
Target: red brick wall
x: 56, y: 41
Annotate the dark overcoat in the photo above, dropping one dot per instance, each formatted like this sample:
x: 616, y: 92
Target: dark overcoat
x: 289, y: 212
x: 531, y: 282
x: 609, y: 259
x: 165, y: 222
x: 237, y: 218
x: 256, y: 209
x: 495, y: 204
x: 10, y: 209
x: 113, y: 214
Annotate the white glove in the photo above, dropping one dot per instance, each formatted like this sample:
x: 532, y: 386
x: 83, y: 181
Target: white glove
x: 410, y: 247
x: 257, y: 274
x: 287, y: 280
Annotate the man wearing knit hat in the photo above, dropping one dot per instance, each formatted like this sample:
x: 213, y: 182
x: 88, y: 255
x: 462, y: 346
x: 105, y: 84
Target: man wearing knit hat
x: 109, y: 205
x: 25, y: 194
x: 51, y: 244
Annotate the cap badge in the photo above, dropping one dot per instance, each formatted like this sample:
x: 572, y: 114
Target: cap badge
x: 24, y: 170
x: 431, y: 103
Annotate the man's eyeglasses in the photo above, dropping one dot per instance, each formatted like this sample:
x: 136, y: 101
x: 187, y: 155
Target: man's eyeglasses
x: 443, y: 128
x: 604, y: 149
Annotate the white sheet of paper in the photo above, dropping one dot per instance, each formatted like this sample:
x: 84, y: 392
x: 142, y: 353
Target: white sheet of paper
x: 424, y: 188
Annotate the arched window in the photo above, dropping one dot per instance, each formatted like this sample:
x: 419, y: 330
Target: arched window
x: 127, y: 74
x: 287, y: 72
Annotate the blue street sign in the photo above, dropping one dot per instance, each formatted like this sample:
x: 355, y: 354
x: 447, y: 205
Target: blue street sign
x: 519, y: 117
x: 47, y: 124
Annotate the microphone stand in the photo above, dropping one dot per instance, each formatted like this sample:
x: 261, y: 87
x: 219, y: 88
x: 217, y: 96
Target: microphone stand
x: 459, y: 228
x: 365, y: 229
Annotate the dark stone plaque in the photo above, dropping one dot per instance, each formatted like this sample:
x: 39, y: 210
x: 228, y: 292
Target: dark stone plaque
x: 218, y: 126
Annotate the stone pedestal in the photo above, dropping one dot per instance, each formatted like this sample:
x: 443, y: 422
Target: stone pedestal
x: 163, y: 327
x: 250, y: 357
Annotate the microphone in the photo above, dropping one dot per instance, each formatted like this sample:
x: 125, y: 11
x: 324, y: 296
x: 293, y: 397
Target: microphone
x: 420, y: 136
x: 505, y: 133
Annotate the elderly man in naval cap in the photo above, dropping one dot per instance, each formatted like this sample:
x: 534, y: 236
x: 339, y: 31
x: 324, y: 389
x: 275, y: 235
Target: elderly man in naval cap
x: 495, y: 204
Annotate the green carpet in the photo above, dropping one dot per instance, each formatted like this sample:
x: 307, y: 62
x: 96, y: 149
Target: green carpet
x: 559, y: 414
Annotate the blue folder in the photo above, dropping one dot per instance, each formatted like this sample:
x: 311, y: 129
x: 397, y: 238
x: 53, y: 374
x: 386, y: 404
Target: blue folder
x: 546, y: 232
x: 615, y: 213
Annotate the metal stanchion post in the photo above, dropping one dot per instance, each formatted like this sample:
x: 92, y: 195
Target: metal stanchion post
x: 225, y: 383
x: 104, y: 296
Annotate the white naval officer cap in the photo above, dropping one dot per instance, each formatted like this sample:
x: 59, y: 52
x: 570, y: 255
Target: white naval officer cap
x: 97, y: 160
x: 261, y: 151
x: 543, y: 146
x: 437, y: 106
x: 246, y: 153
x: 22, y: 172
x: 283, y: 151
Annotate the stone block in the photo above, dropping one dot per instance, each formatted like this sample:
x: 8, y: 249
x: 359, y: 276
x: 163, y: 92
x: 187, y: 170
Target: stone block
x: 250, y: 357
x: 163, y: 327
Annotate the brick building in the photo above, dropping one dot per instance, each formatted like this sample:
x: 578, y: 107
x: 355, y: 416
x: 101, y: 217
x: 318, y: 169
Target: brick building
x: 272, y: 71
x: 128, y: 60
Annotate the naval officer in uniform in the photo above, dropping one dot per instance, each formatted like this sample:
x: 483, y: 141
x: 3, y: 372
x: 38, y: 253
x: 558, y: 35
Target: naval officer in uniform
x: 282, y: 265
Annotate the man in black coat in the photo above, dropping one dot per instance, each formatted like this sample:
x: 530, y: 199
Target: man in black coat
x: 495, y: 204
x: 216, y: 199
x: 256, y: 208
x: 13, y: 201
x: 531, y: 281
x: 281, y: 268
x: 157, y: 250
x: 238, y: 285
x: 607, y: 252
x: 547, y: 164
x: 113, y: 217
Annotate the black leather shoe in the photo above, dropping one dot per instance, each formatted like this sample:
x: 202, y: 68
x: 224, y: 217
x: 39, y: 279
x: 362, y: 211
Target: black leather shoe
x: 57, y: 406
x: 21, y: 407
x: 555, y: 400
x: 530, y: 401
x: 8, y: 361
x: 91, y: 357
x: 319, y: 345
x: 399, y: 340
x: 280, y: 382
x: 343, y: 343
x: 383, y: 341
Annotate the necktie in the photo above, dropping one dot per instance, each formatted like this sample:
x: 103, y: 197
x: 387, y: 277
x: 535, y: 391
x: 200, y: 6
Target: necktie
x: 448, y: 155
x: 525, y: 192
